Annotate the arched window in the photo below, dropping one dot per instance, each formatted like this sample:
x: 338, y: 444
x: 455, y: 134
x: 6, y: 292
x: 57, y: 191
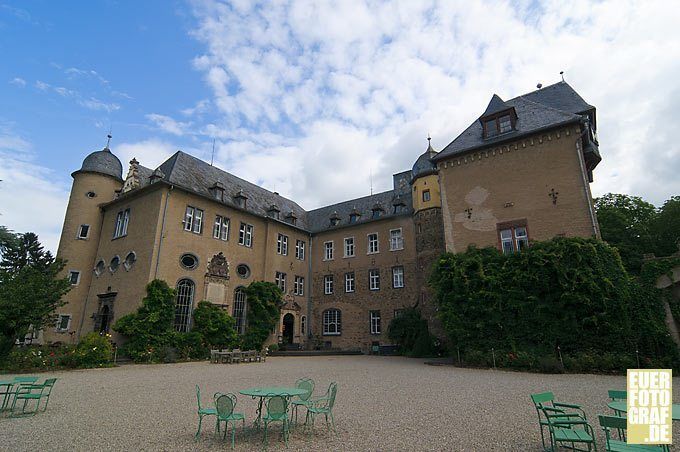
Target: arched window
x: 303, y: 325
x: 240, y: 309
x: 184, y: 304
x: 332, y: 322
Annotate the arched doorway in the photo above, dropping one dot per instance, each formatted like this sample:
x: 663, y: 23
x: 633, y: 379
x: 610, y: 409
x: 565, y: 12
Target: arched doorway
x: 288, y: 328
x: 105, y: 320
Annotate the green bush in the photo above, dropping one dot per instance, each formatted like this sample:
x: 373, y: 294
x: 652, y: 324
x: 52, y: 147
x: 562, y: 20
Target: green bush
x: 93, y: 350
x: 189, y: 346
x: 216, y: 327
x: 568, y: 292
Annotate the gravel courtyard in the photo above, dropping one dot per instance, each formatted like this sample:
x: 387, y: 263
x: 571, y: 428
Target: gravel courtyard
x: 383, y: 403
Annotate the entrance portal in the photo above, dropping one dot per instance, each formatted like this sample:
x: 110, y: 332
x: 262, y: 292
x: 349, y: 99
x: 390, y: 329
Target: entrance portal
x: 288, y: 328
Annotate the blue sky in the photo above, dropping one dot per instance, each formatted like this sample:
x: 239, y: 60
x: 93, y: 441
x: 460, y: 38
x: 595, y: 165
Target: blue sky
x: 311, y: 98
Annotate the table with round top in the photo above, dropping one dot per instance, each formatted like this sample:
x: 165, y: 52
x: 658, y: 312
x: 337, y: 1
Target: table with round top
x: 270, y: 391
x: 622, y: 406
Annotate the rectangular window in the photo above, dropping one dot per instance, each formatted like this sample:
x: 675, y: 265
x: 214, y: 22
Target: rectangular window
x: 490, y: 127
x: 426, y: 195
x: 397, y: 277
x: 398, y: 313
x: 328, y: 251
x: 83, y: 231
x: 221, y: 228
x: 282, y: 245
x: 300, y: 250
x: 396, y: 240
x: 375, y: 322
x: 331, y: 322
x: 504, y: 124
x: 74, y: 277
x: 349, y: 282
x: 280, y: 280
x: 245, y: 235
x: 328, y: 284
x: 299, y: 286
x: 349, y: 246
x: 373, y: 243
x: 513, y: 238
x: 63, y: 322
x: 193, y: 220
x: 374, y: 279
x: 122, y: 220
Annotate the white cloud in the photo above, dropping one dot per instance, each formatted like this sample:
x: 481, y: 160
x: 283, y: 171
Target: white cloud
x: 27, y: 184
x: 18, y: 81
x: 168, y: 124
x: 360, y: 84
x: 149, y: 153
x: 199, y: 108
x: 95, y: 104
x: 42, y: 86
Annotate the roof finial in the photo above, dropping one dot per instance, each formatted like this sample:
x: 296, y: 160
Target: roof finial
x: 428, y: 139
x: 108, y: 138
x: 562, y: 74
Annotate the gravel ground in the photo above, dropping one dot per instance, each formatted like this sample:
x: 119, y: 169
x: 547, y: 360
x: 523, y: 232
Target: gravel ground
x: 383, y: 403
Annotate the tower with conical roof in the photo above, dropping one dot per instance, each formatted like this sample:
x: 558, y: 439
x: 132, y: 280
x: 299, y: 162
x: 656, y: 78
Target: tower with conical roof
x: 97, y: 181
x: 429, y: 228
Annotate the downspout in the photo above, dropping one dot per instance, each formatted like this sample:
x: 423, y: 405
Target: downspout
x: 309, y: 292
x: 593, y: 221
x: 160, y: 240
x: 87, y: 297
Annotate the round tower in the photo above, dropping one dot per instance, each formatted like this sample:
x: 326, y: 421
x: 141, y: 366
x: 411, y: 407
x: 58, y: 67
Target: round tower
x: 429, y: 229
x: 96, y: 182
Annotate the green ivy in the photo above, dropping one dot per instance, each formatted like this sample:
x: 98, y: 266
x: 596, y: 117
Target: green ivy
x: 262, y: 314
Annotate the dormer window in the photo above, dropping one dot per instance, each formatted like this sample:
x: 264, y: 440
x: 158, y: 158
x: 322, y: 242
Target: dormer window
x: 499, y: 123
x: 217, y: 190
x: 240, y: 199
x: 273, y: 212
x: 354, y: 216
x: 335, y: 219
x: 291, y: 218
x: 377, y: 211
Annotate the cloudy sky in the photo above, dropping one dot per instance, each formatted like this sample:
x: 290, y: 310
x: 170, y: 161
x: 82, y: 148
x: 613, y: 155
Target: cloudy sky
x: 314, y: 99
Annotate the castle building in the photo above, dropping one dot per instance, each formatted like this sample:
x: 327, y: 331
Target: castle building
x: 519, y: 173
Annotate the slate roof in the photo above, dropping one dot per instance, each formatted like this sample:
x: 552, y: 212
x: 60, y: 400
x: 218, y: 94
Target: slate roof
x: 424, y: 163
x: 496, y: 104
x: 195, y: 175
x: 102, y: 162
x: 551, y: 106
x: 318, y: 220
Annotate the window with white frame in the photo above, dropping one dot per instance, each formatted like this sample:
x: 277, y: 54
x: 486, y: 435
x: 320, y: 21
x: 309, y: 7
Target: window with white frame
x: 63, y: 322
x: 299, y: 286
x: 398, y: 277
x: 303, y: 325
x: 280, y: 280
x: 373, y: 243
x: 332, y: 325
x: 245, y: 235
x: 221, y: 228
x: 184, y: 303
x: 122, y: 220
x: 513, y: 238
x: 349, y: 282
x: 374, y: 279
x: 396, y: 240
x: 328, y: 284
x: 300, y: 250
x: 74, y: 277
x: 240, y: 309
x: 375, y: 322
x: 282, y: 245
x: 193, y: 220
x: 328, y: 251
x: 426, y: 195
x: 349, y: 246
x: 83, y: 231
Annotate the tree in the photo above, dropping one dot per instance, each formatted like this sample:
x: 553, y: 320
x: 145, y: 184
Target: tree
x: 217, y: 328
x: 665, y: 228
x: 30, y: 289
x: 262, y: 315
x: 625, y: 223
x: 7, y: 238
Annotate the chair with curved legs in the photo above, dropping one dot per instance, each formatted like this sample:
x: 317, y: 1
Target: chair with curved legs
x: 303, y: 400
x: 323, y: 405
x: 277, y: 411
x: 225, y: 405
x: 202, y: 411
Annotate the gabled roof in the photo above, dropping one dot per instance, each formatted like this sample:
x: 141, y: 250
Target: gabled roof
x: 195, y: 175
x: 495, y: 105
x: 319, y: 220
x: 548, y: 107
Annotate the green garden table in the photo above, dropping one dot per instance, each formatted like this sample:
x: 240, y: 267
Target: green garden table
x: 270, y: 391
x: 622, y: 406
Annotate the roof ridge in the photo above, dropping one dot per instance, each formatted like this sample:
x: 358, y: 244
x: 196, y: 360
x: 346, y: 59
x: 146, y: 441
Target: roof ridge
x: 351, y: 200
x: 542, y: 105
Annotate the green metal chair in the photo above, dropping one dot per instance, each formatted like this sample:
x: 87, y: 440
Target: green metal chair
x: 26, y: 392
x: 202, y: 412
x: 323, y: 405
x: 25, y: 379
x: 620, y: 424
x: 546, y: 401
x: 571, y: 431
x: 617, y: 395
x: 277, y: 411
x: 225, y: 405
x: 303, y: 400
x: 48, y: 384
